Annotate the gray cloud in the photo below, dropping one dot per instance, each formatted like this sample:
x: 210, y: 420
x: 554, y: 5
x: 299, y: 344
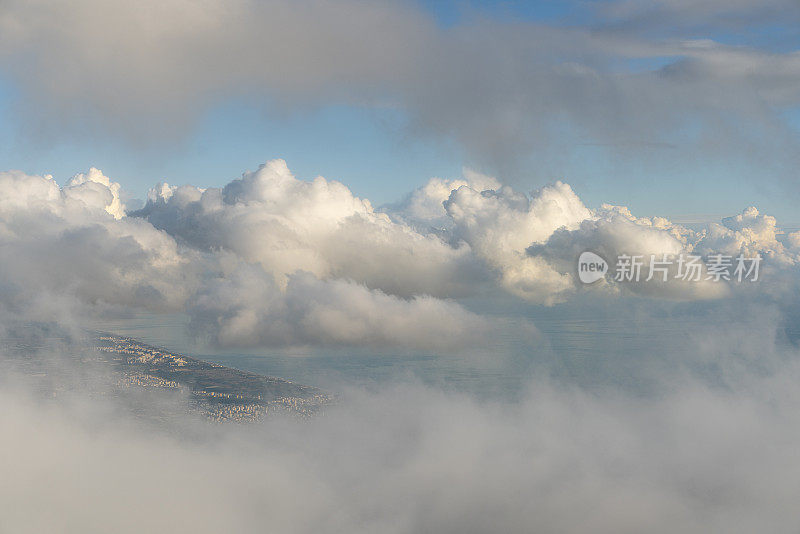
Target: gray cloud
x: 503, y: 90
x: 686, y: 17
x: 696, y: 453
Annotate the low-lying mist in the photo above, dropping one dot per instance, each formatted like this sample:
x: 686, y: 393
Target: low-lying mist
x: 699, y: 452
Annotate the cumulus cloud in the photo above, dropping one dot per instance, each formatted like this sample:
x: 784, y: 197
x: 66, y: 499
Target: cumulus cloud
x: 285, y: 224
x: 272, y: 260
x: 531, y: 242
x: 75, y: 241
x: 499, y: 226
x: 95, y: 183
x: 614, y: 231
x: 748, y: 233
x: 268, y: 260
x: 246, y: 308
x: 424, y: 209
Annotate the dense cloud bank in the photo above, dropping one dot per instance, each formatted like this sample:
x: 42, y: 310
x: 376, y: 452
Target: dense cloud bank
x: 698, y: 454
x: 273, y: 260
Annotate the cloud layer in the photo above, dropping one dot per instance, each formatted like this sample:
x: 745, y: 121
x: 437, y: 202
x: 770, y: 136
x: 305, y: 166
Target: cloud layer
x: 698, y: 453
x: 501, y: 89
x: 270, y: 260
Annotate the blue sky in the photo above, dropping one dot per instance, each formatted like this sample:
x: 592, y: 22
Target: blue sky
x: 364, y: 149
x: 382, y: 152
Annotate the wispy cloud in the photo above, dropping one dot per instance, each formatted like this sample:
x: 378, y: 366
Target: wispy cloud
x: 502, y: 89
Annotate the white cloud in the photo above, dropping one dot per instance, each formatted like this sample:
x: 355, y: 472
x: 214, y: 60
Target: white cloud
x: 67, y: 241
x: 273, y: 260
x: 268, y: 260
x: 500, y: 225
x: 96, y: 183
x: 424, y: 207
x: 246, y: 308
x: 695, y: 455
x: 749, y: 233
x: 285, y: 224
